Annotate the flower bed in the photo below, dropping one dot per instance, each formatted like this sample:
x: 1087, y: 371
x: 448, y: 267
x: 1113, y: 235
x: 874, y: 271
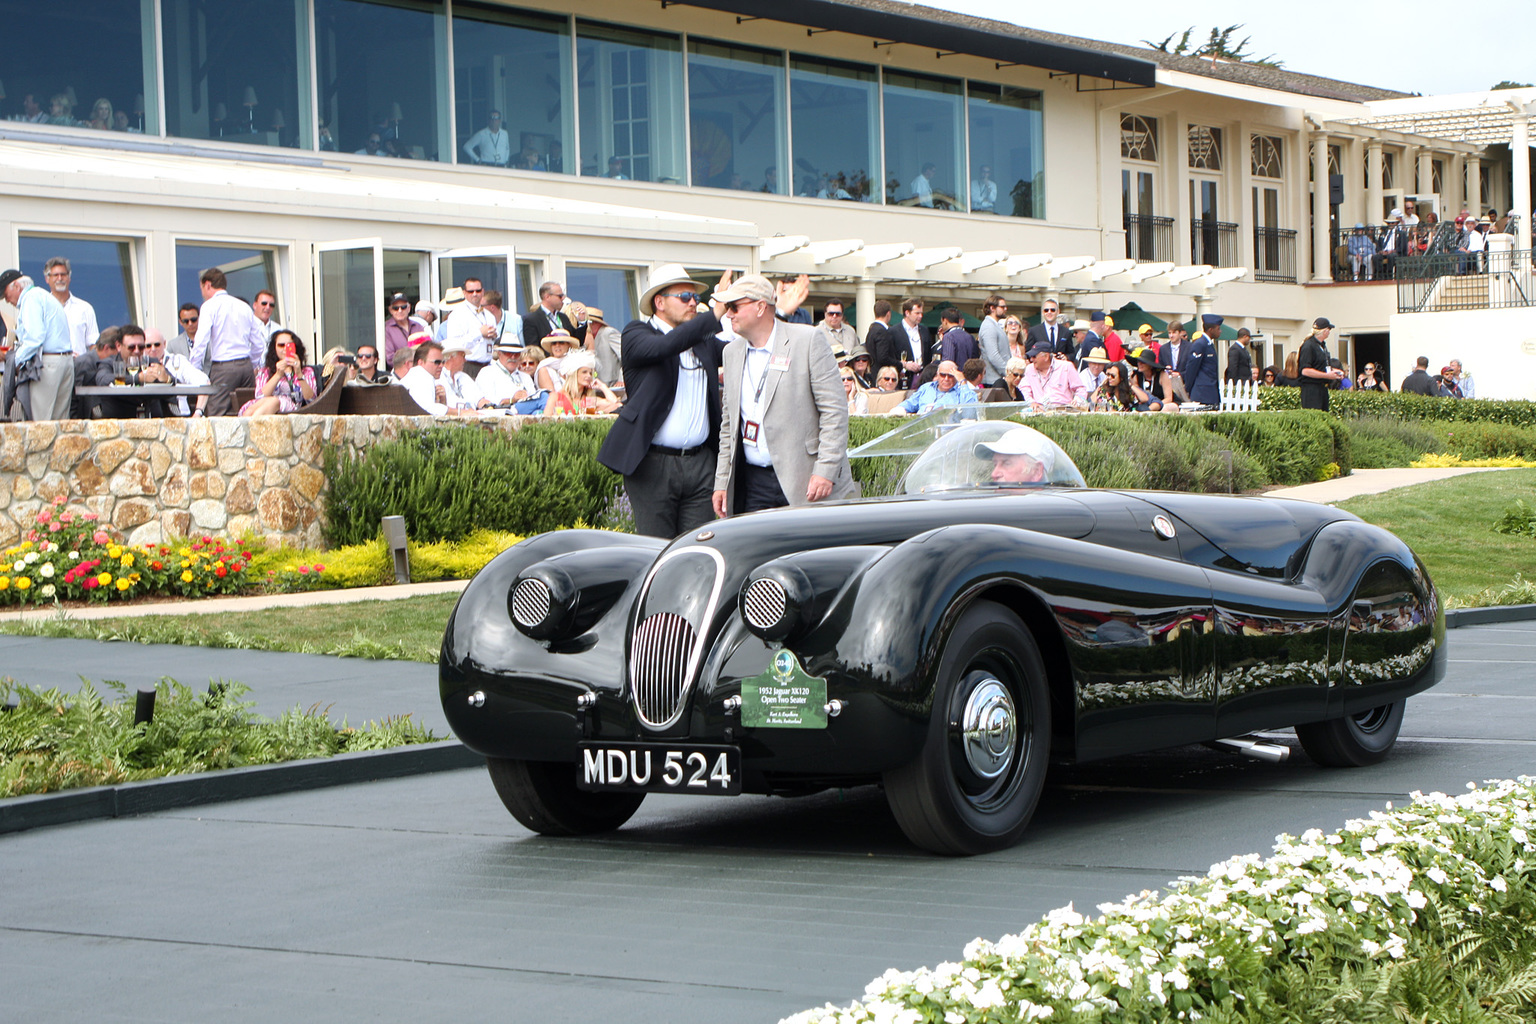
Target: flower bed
x: 1422, y: 913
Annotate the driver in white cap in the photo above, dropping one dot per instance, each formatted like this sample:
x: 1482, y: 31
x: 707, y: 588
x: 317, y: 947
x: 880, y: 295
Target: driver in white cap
x: 1021, y: 456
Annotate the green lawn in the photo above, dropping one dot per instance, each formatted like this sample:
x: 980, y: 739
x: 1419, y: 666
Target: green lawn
x: 1449, y: 523
x: 409, y: 629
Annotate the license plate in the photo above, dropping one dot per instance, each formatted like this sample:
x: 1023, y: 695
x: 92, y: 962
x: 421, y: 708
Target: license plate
x: 701, y: 768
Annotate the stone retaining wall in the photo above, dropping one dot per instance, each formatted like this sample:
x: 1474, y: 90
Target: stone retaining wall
x: 154, y: 479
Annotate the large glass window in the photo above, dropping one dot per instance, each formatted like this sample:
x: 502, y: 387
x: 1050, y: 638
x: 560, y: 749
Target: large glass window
x: 237, y: 72
x: 380, y: 66
x: 516, y: 65
x: 1007, y: 165
x: 736, y: 111
x: 248, y: 270
x: 836, y: 111
x: 80, y: 65
x: 101, y: 271
x: 629, y: 85
x: 610, y: 289
x: 923, y: 150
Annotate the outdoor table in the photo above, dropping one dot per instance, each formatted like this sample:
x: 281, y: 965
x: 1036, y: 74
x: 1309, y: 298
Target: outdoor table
x: 140, y: 392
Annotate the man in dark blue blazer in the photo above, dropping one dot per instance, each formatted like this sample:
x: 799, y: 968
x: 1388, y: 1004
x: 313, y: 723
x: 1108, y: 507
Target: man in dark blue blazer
x: 665, y: 440
x: 1199, y: 369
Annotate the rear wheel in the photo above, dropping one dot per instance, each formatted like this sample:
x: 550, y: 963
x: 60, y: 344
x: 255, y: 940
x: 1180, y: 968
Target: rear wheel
x: 1355, y: 740
x: 975, y: 785
x: 542, y: 795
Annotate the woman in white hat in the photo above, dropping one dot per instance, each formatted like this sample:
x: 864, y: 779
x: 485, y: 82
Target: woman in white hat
x: 582, y: 394
x: 552, y: 372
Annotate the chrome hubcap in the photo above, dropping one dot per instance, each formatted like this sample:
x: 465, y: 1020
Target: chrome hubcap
x: 987, y: 729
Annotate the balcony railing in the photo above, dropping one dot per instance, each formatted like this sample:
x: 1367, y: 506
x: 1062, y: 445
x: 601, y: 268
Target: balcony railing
x: 1349, y: 246
x: 1213, y: 242
x: 1148, y: 238
x: 1444, y: 282
x: 1274, y: 254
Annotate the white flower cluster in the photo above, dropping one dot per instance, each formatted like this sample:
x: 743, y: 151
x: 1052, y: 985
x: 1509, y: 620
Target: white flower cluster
x: 1200, y: 943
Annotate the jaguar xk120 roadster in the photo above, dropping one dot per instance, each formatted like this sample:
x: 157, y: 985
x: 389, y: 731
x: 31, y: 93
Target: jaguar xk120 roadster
x: 946, y: 642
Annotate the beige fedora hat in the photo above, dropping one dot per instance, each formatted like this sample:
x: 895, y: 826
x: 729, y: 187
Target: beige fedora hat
x: 664, y: 275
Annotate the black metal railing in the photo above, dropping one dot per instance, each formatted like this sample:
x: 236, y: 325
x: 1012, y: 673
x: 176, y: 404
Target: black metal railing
x: 1358, y: 253
x: 1274, y: 254
x: 1148, y: 238
x: 1445, y: 282
x: 1213, y: 242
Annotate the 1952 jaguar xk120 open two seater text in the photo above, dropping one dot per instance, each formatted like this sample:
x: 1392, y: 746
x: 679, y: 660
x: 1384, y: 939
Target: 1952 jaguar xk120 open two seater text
x: 946, y: 642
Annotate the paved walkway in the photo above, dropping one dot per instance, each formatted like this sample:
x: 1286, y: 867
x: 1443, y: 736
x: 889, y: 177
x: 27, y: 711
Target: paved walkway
x: 1372, y: 481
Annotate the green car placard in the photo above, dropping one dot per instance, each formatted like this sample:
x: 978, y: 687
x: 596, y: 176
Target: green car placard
x: 784, y: 697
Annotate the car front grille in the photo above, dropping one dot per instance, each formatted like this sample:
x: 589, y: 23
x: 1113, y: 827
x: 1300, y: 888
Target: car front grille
x: 660, y: 652
x: 763, y: 603
x: 530, y: 602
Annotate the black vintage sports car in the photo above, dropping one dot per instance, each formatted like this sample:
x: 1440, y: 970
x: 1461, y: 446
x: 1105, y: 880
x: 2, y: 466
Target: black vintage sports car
x: 946, y: 642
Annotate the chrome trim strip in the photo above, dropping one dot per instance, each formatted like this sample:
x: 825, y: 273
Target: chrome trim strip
x: 656, y: 646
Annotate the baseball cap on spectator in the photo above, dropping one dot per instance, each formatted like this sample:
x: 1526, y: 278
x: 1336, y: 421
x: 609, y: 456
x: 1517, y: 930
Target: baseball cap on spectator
x: 1145, y: 330
x: 1446, y: 371
x: 1098, y: 316
x: 1322, y: 323
x: 1038, y: 348
x: 6, y: 279
x: 1020, y: 441
x: 748, y: 288
x: 425, y: 306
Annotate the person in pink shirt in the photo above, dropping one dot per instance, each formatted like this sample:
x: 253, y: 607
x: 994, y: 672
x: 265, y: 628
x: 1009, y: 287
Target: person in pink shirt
x: 1050, y: 381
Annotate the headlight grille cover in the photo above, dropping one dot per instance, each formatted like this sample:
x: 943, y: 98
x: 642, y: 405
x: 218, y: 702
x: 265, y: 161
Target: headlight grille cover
x: 659, y: 657
x: 763, y: 603
x: 530, y: 603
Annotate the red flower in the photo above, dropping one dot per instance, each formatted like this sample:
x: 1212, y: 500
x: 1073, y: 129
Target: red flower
x: 89, y: 583
x: 319, y: 567
x: 221, y: 572
x: 304, y: 569
x: 157, y: 566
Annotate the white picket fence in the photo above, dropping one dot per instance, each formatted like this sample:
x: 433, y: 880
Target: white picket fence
x: 1239, y: 396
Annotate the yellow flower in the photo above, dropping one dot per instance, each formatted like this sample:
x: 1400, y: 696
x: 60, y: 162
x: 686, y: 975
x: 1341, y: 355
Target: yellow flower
x: 186, y: 577
x: 22, y: 583
x: 123, y: 583
x: 5, y: 583
x: 218, y: 565
x: 114, y: 551
x: 183, y: 552
x: 105, y: 579
x: 127, y: 561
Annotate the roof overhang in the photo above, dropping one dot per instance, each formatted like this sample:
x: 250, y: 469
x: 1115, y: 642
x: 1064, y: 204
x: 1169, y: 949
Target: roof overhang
x: 1478, y: 120
x: 883, y: 26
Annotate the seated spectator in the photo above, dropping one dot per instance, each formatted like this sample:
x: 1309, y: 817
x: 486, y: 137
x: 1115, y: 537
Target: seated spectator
x: 1095, y: 366
x: 888, y: 379
x: 1115, y: 393
x: 162, y: 366
x: 337, y: 360
x: 1361, y: 251
x: 582, y: 394
x: 1290, y: 377
x: 858, y: 404
x: 402, y: 363
x: 1051, y: 382
x: 858, y: 360
x: 550, y: 376
x: 508, y: 383
x: 86, y: 366
x: 464, y: 396
x: 368, y: 371
x: 945, y: 389
x: 126, y: 367
x: 973, y: 370
x: 1008, y: 389
x: 424, y: 381
x: 61, y: 111
x: 1271, y: 376
x: 284, y: 383
x: 1151, y: 386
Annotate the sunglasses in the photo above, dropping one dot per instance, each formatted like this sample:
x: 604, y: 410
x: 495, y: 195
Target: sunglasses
x: 528, y: 362
x: 473, y: 291
x: 406, y: 307
x: 834, y: 312
x: 133, y: 348
x: 686, y: 297
x: 366, y: 355
x: 434, y: 362
x: 189, y: 320
x: 263, y: 304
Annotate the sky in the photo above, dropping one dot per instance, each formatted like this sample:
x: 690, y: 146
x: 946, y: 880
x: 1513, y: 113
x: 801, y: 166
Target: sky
x: 1369, y: 43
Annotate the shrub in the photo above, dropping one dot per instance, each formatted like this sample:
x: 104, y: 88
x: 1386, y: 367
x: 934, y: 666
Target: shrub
x: 1518, y: 518
x: 1396, y: 405
x: 370, y: 564
x: 877, y: 475
x: 450, y: 480
x: 1378, y: 442
x: 1489, y: 441
x: 1166, y: 453
x: 1292, y: 447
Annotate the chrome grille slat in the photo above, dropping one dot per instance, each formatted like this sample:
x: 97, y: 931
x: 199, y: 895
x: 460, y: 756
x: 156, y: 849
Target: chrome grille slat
x: 660, y: 651
x: 530, y: 602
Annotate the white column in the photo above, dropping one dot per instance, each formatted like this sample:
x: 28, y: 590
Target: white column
x: 1474, y: 183
x: 1322, y: 263
x: 1426, y: 175
x: 1184, y: 211
x: 1373, y: 211
x: 1520, y: 156
x: 1455, y: 186
x: 864, y: 305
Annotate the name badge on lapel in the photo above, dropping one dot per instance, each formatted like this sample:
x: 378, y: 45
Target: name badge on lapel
x: 779, y: 363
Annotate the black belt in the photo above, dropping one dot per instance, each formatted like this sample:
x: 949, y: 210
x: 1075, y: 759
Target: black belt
x: 222, y: 362
x: 680, y: 453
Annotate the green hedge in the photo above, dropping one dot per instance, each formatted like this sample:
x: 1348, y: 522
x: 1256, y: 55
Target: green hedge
x: 1412, y: 407
x: 450, y: 480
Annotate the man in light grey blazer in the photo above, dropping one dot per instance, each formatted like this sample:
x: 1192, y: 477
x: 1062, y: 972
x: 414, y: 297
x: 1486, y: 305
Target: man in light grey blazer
x: 784, y: 423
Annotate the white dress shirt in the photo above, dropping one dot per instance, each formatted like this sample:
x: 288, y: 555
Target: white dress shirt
x: 461, y: 389
x: 755, y: 369
x: 498, y: 384
x: 488, y: 147
x: 227, y: 329
x: 82, y: 324
x: 464, y: 325
x: 687, y: 424
x: 922, y: 190
x: 983, y: 194
x: 183, y: 372
x: 423, y: 387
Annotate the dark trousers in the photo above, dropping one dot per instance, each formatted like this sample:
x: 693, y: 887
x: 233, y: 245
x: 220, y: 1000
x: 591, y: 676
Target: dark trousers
x: 672, y: 494
x: 757, y: 488
x: 227, y: 375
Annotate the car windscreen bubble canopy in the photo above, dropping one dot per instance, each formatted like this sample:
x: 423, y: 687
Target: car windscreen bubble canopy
x: 988, y: 455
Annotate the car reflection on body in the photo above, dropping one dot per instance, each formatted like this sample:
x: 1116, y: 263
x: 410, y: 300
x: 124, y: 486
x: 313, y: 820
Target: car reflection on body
x: 945, y: 642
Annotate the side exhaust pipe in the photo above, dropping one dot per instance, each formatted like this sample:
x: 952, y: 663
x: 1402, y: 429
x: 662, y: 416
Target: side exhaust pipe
x: 1274, y: 753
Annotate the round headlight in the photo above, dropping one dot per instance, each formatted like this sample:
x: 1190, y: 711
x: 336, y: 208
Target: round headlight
x: 542, y: 601
x: 763, y: 604
x: 773, y: 600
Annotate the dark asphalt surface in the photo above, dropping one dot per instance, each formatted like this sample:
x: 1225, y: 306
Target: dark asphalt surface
x: 421, y: 899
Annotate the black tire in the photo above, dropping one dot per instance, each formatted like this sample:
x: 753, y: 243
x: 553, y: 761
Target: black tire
x: 1355, y: 740
x: 542, y: 795
x: 940, y: 800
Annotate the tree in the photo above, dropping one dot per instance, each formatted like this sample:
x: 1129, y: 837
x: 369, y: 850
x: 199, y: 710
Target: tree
x: 1217, y: 46
x: 1507, y: 84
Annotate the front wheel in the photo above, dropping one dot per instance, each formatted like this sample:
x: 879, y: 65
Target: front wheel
x: 542, y: 795
x: 1354, y: 740
x: 975, y: 785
